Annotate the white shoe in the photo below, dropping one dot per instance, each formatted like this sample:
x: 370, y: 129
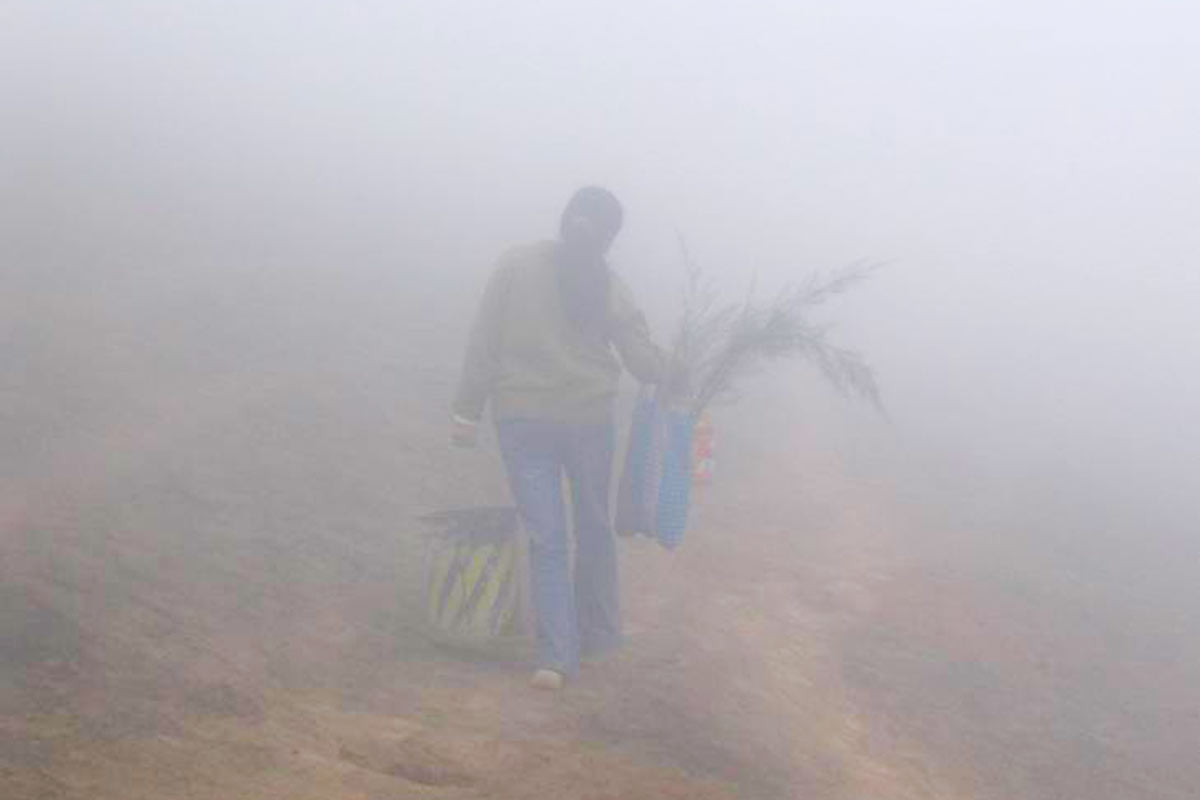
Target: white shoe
x: 547, y: 680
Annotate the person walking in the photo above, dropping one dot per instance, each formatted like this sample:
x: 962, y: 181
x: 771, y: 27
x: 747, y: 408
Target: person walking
x: 541, y: 356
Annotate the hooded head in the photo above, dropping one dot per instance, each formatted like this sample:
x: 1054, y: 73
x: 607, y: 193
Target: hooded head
x: 589, y: 224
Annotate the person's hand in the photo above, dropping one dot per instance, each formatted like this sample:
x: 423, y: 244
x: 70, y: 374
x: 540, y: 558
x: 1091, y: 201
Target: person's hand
x: 678, y: 383
x: 464, y: 432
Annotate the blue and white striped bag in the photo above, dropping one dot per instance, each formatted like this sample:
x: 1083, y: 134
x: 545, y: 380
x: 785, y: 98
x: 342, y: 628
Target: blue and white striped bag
x: 656, y: 483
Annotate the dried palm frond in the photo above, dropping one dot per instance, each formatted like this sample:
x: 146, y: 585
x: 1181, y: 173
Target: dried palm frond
x: 719, y: 345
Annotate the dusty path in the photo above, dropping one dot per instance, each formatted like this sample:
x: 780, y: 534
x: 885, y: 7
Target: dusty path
x: 730, y: 687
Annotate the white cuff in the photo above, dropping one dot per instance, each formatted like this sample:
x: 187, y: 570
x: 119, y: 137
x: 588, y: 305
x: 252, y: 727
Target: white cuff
x: 465, y: 421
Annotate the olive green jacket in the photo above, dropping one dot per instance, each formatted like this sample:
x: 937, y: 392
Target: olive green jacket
x: 529, y: 361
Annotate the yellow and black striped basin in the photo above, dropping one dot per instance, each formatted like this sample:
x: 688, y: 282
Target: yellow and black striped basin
x: 472, y: 575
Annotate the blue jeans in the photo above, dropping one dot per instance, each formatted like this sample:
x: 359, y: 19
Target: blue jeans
x: 580, y: 615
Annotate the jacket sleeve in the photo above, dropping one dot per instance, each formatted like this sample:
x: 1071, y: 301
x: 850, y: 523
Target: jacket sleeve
x: 483, y: 350
x: 645, y: 360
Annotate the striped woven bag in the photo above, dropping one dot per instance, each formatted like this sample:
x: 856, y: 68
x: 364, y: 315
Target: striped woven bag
x: 472, y: 575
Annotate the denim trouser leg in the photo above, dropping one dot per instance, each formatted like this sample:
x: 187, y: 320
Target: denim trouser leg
x: 589, y: 459
x: 536, y: 454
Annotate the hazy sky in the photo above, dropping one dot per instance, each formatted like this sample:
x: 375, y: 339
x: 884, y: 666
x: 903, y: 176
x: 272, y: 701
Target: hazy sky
x: 1031, y: 171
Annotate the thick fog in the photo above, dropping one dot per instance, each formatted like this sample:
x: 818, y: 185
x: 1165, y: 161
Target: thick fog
x: 1027, y: 173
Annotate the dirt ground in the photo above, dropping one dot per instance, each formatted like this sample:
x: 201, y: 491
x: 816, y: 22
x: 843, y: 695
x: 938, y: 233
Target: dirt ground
x: 208, y: 589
